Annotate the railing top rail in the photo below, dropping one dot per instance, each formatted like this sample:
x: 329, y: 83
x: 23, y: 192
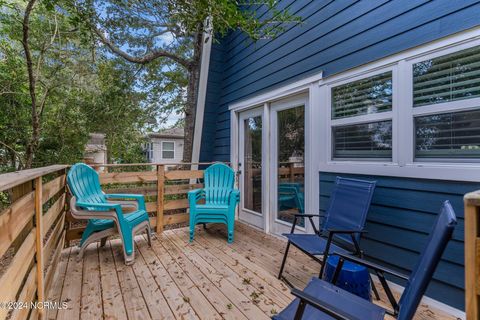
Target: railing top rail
x: 152, y: 164
x: 12, y: 179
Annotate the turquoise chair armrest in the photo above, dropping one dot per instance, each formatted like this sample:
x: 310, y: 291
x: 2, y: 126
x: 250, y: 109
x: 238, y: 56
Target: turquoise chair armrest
x: 102, y: 207
x: 123, y: 196
x: 234, y: 197
x: 196, y: 194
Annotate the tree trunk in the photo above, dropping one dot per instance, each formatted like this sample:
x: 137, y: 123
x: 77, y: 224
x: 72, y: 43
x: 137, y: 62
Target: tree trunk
x: 35, y: 137
x: 192, y: 96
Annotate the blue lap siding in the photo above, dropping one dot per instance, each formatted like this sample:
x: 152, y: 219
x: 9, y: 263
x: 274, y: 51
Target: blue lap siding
x: 336, y: 36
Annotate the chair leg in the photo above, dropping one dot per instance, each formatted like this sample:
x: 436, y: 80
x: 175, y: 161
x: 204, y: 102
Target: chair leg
x: 284, y: 260
x: 149, y: 235
x: 374, y: 288
x: 300, y: 310
x: 93, y: 237
x: 103, y: 241
x: 192, y: 226
x: 230, y: 226
x: 325, y: 254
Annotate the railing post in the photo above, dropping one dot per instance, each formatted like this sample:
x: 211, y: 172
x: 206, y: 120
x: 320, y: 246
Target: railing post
x: 160, y: 194
x: 66, y: 209
x: 39, y: 242
x: 472, y: 255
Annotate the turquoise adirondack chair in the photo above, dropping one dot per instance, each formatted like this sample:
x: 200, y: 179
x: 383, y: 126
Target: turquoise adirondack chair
x: 220, y: 199
x: 290, y: 195
x: 104, y: 211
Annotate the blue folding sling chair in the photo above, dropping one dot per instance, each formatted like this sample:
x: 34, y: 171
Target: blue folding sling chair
x: 104, y: 211
x: 344, y: 223
x: 220, y: 199
x: 321, y: 300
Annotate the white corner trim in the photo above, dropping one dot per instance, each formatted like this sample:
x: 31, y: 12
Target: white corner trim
x: 207, y: 40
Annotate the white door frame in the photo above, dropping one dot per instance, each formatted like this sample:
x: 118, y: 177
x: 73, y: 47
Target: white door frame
x: 246, y: 215
x: 313, y: 135
x: 278, y: 226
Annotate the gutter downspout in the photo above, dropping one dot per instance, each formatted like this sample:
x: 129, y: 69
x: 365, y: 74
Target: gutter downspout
x: 202, y: 94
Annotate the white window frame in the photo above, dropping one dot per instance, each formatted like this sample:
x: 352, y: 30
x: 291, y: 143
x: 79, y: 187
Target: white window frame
x: 364, y: 118
x: 403, y: 162
x: 162, y: 149
x: 443, y: 107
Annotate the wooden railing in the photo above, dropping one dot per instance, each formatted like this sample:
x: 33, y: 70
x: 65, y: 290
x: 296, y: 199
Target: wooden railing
x: 31, y: 236
x: 35, y: 222
x: 472, y: 255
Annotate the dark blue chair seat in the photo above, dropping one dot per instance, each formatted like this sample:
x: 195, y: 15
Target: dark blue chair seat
x: 312, y: 243
x: 352, y: 306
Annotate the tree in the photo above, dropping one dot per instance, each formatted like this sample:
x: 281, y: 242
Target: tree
x: 171, y: 31
x: 42, y: 36
x: 76, y: 91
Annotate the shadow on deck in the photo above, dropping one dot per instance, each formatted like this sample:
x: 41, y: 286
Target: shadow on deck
x: 207, y: 279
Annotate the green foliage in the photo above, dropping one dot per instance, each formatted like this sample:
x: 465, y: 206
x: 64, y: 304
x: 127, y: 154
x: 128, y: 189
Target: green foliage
x: 140, y: 29
x: 228, y: 15
x: 85, y: 91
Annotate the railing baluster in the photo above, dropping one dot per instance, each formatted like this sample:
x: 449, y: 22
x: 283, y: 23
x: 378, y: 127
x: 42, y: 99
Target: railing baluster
x: 39, y: 241
x: 160, y: 193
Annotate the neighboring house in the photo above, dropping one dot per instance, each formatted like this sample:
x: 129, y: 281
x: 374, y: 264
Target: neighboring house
x: 377, y: 90
x: 165, y: 146
x: 95, y: 149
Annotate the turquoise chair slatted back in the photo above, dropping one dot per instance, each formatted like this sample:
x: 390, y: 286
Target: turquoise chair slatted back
x: 219, y: 181
x: 84, y: 184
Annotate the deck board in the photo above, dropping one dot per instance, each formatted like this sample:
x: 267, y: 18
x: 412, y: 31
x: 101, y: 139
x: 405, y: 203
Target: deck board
x: 175, y: 279
x: 113, y: 305
x: 91, y: 290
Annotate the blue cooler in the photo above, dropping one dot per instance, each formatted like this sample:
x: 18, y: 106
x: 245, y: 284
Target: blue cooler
x: 352, y: 278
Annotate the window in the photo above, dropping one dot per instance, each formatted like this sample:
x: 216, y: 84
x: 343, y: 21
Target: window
x: 168, y: 150
x: 447, y: 134
x: 366, y: 96
x: 149, y: 151
x: 362, y: 118
x: 448, y: 78
x: 367, y: 140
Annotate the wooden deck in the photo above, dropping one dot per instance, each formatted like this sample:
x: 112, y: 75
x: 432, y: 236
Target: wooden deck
x: 207, y: 279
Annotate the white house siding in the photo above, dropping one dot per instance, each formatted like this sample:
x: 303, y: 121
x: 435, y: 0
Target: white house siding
x: 157, y: 150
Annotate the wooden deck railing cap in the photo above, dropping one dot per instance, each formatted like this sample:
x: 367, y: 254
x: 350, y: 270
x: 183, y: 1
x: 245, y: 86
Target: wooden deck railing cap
x: 472, y: 198
x: 12, y: 179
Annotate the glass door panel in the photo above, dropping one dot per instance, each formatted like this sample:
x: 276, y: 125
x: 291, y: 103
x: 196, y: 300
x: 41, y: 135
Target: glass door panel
x: 252, y: 162
x: 291, y: 164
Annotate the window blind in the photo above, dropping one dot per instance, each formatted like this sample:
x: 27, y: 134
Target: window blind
x: 448, y: 135
x: 366, y: 96
x: 447, y: 78
x: 366, y: 140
